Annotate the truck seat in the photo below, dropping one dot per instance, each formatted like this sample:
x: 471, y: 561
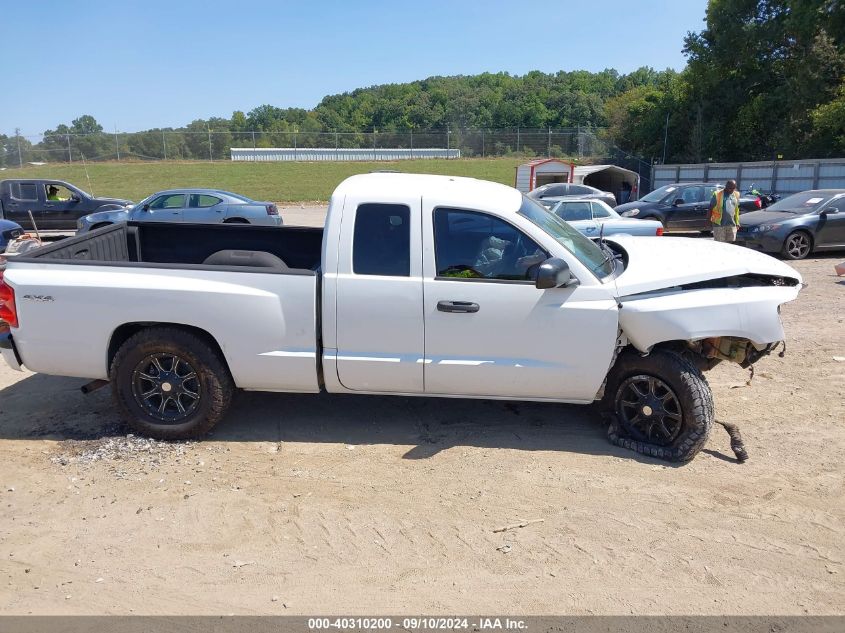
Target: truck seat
x: 254, y: 259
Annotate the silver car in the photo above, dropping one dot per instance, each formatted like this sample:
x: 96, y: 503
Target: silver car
x: 594, y: 218
x: 195, y: 206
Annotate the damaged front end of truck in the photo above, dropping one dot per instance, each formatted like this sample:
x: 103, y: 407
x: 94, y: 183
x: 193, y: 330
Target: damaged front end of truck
x: 721, y: 303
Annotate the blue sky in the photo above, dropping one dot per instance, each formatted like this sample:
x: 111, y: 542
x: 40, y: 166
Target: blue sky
x: 141, y: 64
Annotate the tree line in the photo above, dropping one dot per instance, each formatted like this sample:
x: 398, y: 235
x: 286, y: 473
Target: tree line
x: 764, y: 79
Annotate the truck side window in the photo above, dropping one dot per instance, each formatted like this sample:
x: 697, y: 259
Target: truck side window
x: 24, y: 191
x: 473, y: 245
x: 381, y: 244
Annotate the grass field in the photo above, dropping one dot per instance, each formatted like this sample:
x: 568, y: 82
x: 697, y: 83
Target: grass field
x: 276, y: 182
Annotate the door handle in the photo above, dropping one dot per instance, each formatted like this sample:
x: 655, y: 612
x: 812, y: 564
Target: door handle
x: 457, y: 306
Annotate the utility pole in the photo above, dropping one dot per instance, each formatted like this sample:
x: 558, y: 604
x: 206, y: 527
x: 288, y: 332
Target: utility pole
x: 18, y: 137
x: 210, y: 157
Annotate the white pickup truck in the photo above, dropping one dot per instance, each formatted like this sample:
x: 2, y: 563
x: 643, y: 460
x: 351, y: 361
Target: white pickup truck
x: 418, y: 285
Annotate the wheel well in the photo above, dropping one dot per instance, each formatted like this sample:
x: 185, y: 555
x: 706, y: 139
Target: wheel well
x: 128, y: 330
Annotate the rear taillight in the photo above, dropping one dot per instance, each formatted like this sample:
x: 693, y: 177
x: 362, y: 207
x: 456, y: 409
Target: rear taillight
x: 758, y: 203
x: 272, y: 210
x: 7, y: 303
x: 659, y: 230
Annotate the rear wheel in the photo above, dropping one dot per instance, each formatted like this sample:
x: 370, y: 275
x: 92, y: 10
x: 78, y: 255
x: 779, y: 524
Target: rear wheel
x: 170, y: 384
x: 797, y: 245
x: 660, y: 405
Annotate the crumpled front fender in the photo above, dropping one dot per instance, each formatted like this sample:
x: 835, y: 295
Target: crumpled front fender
x: 689, y: 315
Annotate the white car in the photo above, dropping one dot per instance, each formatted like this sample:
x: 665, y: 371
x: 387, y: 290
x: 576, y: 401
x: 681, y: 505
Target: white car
x: 419, y: 285
x: 594, y: 218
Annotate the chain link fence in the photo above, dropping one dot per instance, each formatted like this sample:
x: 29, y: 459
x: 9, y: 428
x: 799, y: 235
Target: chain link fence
x: 215, y: 145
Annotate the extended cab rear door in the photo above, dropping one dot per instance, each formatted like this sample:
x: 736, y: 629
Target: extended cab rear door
x: 378, y: 296
x: 24, y: 196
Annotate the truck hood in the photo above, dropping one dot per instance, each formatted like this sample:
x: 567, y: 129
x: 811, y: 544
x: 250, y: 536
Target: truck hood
x: 658, y: 263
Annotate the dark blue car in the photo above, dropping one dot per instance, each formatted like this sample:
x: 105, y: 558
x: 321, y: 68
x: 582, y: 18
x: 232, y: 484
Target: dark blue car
x: 798, y: 225
x: 8, y: 232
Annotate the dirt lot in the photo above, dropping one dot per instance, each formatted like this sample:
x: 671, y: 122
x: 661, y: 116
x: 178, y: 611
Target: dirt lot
x: 365, y: 505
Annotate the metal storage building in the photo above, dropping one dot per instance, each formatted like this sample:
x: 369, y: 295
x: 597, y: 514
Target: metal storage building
x: 783, y: 176
x: 269, y: 154
x: 541, y: 172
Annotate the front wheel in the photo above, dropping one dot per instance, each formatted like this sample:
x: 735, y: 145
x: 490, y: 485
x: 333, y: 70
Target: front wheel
x: 661, y: 405
x: 797, y: 245
x: 170, y: 384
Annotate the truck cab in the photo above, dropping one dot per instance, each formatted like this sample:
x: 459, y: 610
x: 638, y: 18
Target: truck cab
x: 55, y: 205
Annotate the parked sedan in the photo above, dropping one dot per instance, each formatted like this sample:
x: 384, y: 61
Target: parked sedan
x: 682, y: 207
x: 594, y: 218
x: 558, y: 190
x: 797, y: 225
x: 195, y: 206
x: 8, y: 231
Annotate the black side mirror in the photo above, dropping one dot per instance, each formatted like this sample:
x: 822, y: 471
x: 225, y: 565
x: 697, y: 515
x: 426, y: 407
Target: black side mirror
x: 146, y: 207
x: 677, y: 202
x: 75, y: 198
x: 554, y: 273
x: 829, y: 211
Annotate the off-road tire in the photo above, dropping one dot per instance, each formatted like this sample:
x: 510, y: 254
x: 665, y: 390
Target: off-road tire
x: 216, y: 386
x: 690, y: 389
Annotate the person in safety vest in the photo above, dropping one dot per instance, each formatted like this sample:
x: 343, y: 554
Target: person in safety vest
x: 724, y: 213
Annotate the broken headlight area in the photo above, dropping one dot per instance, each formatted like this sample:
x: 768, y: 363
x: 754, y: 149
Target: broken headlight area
x: 736, y: 350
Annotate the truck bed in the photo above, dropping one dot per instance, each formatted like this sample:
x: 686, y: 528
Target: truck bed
x: 185, y: 245
x: 111, y: 282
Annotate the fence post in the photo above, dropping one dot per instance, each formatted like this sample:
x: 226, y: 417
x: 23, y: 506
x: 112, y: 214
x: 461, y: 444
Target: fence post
x: 116, y: 144
x: 412, y: 142
x: 69, y: 155
x: 482, y: 142
x: 164, y: 145
x: 253, y: 144
x: 549, y: 152
x: 517, y: 139
x: 375, y: 131
x: 294, y: 146
x: 336, y: 146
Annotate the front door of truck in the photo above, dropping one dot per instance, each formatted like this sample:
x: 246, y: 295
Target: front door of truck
x: 59, y: 206
x: 490, y: 332
x: 379, y: 298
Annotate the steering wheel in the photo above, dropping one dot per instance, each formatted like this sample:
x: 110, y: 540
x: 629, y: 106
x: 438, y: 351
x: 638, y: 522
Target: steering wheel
x: 514, y: 252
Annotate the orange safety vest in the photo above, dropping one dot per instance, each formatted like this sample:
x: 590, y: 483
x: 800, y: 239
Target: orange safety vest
x: 716, y: 209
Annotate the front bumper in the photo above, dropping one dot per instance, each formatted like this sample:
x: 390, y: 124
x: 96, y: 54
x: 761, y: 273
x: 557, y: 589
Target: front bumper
x: 764, y: 242
x: 9, y: 351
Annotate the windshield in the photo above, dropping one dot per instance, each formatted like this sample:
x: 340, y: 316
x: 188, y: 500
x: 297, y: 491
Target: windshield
x: 658, y: 194
x: 804, y: 202
x: 583, y: 248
